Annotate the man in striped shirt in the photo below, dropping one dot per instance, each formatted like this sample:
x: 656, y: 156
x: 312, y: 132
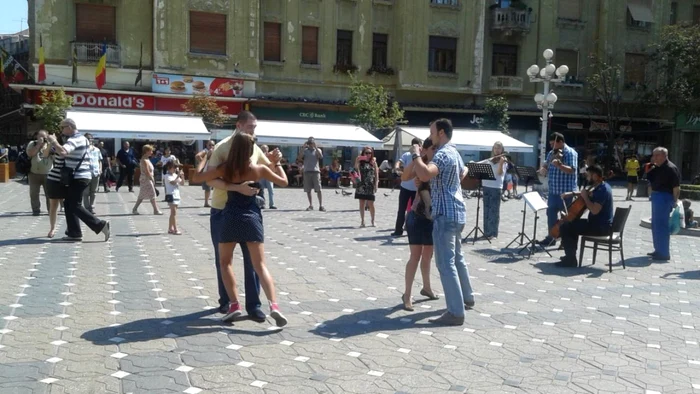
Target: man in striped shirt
x: 445, y: 173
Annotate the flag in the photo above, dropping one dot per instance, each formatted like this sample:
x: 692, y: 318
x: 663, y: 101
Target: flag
x: 42, y: 66
x: 5, y: 82
x: 140, y: 74
x: 18, y: 75
x: 101, y: 70
x: 74, y: 79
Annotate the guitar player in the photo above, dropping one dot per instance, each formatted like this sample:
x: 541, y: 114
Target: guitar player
x: 599, y: 202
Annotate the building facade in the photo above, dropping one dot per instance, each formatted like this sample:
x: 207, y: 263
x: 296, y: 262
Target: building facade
x: 436, y: 57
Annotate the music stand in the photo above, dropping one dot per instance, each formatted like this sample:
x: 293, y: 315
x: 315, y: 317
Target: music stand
x: 534, y: 201
x: 529, y: 176
x: 479, y: 171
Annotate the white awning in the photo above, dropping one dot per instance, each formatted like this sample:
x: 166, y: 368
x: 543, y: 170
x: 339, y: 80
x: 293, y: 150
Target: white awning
x: 140, y: 127
x: 297, y: 133
x: 464, y: 139
x: 640, y: 12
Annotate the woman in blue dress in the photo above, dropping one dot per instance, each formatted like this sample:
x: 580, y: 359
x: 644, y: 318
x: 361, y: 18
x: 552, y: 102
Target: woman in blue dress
x: 243, y: 221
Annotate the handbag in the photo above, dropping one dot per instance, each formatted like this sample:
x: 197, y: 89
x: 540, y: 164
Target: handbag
x: 68, y: 174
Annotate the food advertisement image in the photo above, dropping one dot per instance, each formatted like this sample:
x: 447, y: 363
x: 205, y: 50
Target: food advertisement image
x: 188, y: 84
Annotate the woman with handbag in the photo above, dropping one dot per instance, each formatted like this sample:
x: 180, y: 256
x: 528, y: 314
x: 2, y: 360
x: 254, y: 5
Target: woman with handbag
x: 69, y: 178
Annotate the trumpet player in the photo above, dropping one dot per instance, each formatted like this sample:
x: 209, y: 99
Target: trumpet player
x: 492, y: 190
x: 561, y: 179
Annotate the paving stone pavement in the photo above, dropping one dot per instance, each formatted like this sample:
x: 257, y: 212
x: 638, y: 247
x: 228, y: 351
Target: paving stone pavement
x: 137, y: 314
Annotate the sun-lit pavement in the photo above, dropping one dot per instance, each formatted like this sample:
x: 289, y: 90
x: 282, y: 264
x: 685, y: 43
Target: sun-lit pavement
x: 134, y: 315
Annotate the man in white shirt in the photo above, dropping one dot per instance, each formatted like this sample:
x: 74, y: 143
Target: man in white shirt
x: 408, y: 189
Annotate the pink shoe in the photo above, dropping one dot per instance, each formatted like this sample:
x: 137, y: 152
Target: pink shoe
x: 275, y: 313
x: 234, y: 311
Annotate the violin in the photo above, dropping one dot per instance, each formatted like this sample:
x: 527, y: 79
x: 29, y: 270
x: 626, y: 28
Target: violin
x: 574, y: 211
x: 497, y: 158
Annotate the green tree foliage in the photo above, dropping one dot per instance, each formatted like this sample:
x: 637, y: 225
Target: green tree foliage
x: 496, y: 114
x: 52, y: 109
x: 375, y: 110
x: 674, y: 59
x: 206, y: 107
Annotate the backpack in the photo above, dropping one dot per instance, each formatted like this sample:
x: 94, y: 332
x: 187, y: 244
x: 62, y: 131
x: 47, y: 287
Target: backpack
x: 24, y: 163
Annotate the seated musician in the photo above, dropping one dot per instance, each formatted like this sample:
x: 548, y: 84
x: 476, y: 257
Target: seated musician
x: 599, y: 203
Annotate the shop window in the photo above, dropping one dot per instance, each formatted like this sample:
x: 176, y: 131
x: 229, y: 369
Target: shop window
x: 445, y: 2
x: 380, y: 50
x: 207, y: 33
x: 635, y: 73
x: 569, y: 58
x: 570, y: 9
x: 504, y: 60
x: 639, y: 13
x: 309, y: 45
x: 273, y: 47
x: 442, y: 55
x: 696, y: 15
x: 343, y: 48
x: 95, y: 23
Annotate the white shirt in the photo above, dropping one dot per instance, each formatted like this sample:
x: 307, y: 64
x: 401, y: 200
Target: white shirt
x: 165, y: 159
x: 170, y: 188
x: 409, y: 184
x: 498, y: 183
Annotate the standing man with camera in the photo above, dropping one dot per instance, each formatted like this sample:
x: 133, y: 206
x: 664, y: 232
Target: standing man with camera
x: 127, y: 164
x: 39, y: 151
x: 312, y: 173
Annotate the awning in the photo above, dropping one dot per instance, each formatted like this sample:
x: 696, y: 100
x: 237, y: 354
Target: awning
x: 140, y: 127
x: 640, y: 12
x: 297, y: 133
x: 464, y: 139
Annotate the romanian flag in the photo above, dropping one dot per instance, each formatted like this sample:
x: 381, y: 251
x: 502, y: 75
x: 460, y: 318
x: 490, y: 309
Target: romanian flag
x: 42, y: 66
x: 101, y: 70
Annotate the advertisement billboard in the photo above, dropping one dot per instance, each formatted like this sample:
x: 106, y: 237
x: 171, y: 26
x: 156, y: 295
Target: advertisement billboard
x: 189, y: 85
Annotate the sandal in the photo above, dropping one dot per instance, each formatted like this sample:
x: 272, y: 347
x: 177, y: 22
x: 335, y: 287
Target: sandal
x: 406, y: 307
x: 431, y: 295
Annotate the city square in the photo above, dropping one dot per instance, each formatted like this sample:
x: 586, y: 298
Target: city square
x: 138, y: 314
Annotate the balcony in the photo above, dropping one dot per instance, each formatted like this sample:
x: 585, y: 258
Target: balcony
x: 506, y: 84
x: 90, y: 52
x: 510, y: 20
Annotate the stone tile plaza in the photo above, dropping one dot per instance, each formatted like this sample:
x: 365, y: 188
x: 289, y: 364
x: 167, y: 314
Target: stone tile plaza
x: 138, y: 314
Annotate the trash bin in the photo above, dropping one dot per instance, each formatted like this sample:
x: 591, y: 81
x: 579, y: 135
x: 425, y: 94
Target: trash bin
x: 643, y: 188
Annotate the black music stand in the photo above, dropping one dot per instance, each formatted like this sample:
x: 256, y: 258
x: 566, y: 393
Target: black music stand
x: 536, y: 203
x: 529, y: 176
x: 479, y: 171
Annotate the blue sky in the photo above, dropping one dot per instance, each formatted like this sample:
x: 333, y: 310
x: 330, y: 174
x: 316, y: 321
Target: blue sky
x: 12, y: 12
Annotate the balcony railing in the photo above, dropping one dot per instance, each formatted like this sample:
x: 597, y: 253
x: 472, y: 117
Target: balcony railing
x: 510, y: 20
x: 90, y: 52
x: 506, y: 84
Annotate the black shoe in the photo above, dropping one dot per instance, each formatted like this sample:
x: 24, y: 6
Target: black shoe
x: 567, y: 262
x: 273, y: 207
x: 223, y: 309
x: 660, y: 258
x: 396, y: 234
x: 257, y: 315
x: 652, y: 254
x: 36, y: 213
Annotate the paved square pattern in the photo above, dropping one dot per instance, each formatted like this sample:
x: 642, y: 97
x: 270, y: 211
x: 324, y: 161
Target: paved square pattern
x: 139, y: 314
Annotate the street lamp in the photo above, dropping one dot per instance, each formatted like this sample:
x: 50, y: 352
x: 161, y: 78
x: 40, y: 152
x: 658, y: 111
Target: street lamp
x: 545, y: 101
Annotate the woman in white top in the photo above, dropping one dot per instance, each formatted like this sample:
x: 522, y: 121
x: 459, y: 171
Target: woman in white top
x: 492, y: 192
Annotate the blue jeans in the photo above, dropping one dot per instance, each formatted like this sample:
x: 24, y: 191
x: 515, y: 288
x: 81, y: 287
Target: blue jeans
x: 554, y: 206
x: 661, y: 207
x: 454, y: 274
x: 492, y: 211
x: 270, y: 191
x: 252, y: 283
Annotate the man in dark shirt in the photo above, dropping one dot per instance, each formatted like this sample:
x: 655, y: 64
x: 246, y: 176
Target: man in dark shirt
x: 127, y: 164
x: 106, y: 166
x: 665, y: 181
x: 599, y: 203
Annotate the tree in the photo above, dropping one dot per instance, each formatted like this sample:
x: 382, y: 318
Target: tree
x: 375, y: 109
x: 52, y: 109
x: 206, y: 107
x: 496, y: 114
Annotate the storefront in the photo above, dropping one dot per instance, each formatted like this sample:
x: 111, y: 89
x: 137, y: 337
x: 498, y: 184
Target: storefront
x: 688, y: 157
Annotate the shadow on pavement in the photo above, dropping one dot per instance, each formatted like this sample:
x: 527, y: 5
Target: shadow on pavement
x: 682, y: 275
x: 25, y: 241
x: 637, y: 262
x: 372, y: 320
x: 157, y: 328
x: 552, y: 269
x: 139, y: 235
x: 336, y: 228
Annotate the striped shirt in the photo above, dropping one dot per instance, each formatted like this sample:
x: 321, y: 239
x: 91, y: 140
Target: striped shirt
x: 95, y: 157
x: 445, y: 188
x: 75, y: 147
x: 560, y: 182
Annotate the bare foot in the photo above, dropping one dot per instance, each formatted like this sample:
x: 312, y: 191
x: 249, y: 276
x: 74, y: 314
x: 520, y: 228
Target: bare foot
x: 51, y: 233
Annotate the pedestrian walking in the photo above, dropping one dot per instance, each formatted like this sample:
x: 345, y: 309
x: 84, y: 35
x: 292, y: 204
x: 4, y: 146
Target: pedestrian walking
x: 95, y: 157
x: 147, y: 182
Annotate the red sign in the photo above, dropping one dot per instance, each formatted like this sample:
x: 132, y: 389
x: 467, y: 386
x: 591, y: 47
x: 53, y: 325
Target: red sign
x: 116, y: 101
x: 175, y: 105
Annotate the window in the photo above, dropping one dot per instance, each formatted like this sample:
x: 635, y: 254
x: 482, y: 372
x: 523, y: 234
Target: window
x: 309, y: 45
x: 343, y: 55
x: 696, y: 15
x: 95, y: 23
x: 505, y: 60
x: 380, y: 50
x: 273, y: 50
x: 445, y: 2
x: 207, y: 33
x: 570, y: 9
x: 442, y: 56
x: 570, y: 59
x: 674, y: 13
x: 635, y: 69
x: 639, y: 13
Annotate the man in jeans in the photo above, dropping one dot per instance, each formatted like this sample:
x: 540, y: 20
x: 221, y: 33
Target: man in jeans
x: 246, y: 123
x: 95, y: 157
x: 42, y: 162
x: 407, y: 192
x: 445, y: 173
x: 312, y: 173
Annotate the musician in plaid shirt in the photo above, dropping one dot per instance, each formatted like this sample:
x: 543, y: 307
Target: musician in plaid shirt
x: 561, y: 175
x: 445, y: 173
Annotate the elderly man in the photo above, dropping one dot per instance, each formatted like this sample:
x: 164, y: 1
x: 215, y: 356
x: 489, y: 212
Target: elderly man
x: 665, y: 181
x: 42, y: 162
